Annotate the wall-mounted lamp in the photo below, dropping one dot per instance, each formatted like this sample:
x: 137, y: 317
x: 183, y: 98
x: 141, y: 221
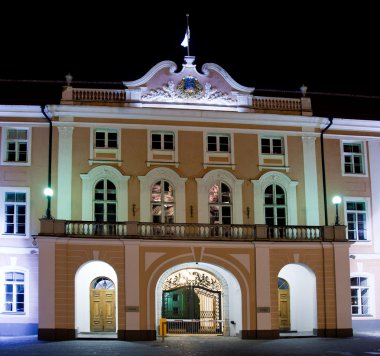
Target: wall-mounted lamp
x: 248, y: 210
x: 336, y: 200
x: 133, y: 209
x: 191, y: 211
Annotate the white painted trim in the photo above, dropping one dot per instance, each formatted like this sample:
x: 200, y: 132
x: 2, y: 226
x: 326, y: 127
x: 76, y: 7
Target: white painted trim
x: 4, y: 141
x: 365, y: 158
x: 289, y: 187
x: 372, y: 293
x: 88, y: 183
x: 217, y: 68
x: 15, y: 268
x: 367, y: 201
x: 92, y: 141
x: 151, y: 73
x: 3, y: 190
x: 173, y: 152
x: 175, y: 180
x: 311, y: 180
x: 203, y: 186
x: 19, y: 250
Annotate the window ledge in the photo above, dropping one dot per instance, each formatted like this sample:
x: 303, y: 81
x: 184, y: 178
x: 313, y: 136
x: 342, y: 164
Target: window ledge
x: 161, y: 163
x: 13, y: 313
x: 225, y: 165
x: 6, y: 163
x: 266, y: 166
x: 105, y: 161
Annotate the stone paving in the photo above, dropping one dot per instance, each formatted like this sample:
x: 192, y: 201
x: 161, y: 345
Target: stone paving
x: 359, y: 344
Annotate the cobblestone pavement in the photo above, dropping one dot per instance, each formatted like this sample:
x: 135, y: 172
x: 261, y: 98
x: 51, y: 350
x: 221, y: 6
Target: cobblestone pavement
x: 359, y: 344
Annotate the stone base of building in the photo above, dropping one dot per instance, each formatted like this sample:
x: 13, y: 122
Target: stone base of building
x: 260, y: 334
x: 70, y: 334
x: 333, y: 332
x: 18, y: 329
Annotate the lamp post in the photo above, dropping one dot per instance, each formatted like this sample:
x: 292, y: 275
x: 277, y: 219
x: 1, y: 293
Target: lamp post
x: 336, y: 200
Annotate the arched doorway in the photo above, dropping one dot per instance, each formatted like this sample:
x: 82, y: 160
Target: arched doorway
x: 199, y: 299
x: 96, y: 299
x: 299, y: 291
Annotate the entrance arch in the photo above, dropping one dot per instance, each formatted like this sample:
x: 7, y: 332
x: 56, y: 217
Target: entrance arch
x: 91, y: 276
x: 303, y: 296
x: 230, y: 293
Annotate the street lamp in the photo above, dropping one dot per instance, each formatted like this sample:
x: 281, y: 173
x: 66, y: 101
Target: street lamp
x: 336, y: 200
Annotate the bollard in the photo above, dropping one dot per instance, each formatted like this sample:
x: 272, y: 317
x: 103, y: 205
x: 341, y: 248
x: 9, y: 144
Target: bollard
x: 163, y: 328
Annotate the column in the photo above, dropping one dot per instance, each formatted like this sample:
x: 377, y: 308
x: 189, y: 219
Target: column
x: 374, y: 168
x: 65, y: 158
x: 311, y: 180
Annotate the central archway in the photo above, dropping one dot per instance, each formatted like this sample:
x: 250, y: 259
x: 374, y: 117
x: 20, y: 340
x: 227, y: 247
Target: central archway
x: 201, y: 292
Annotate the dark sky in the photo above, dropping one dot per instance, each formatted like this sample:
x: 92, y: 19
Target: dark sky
x: 274, y: 47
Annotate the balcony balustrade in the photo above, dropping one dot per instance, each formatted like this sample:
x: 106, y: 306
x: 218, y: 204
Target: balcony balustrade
x: 190, y: 232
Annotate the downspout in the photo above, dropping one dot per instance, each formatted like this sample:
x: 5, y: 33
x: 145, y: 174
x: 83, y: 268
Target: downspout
x: 323, y: 170
x: 48, y: 210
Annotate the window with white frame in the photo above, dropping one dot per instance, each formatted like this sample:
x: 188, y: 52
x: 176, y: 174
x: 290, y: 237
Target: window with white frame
x: 353, y: 156
x: 14, y: 290
x: 220, y: 203
x: 275, y: 205
x: 356, y: 218
x: 15, y: 212
x: 16, y: 146
x: 272, y: 145
x: 218, y: 143
x: 359, y: 296
x: 105, y: 138
x: 105, y: 201
x: 162, y: 141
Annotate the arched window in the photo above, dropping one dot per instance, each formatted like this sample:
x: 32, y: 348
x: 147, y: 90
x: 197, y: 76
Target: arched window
x: 275, y: 205
x: 220, y: 203
x: 162, y: 202
x: 102, y: 283
x: 105, y: 201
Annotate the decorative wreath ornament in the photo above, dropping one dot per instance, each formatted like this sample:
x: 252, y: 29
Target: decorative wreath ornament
x: 189, y: 87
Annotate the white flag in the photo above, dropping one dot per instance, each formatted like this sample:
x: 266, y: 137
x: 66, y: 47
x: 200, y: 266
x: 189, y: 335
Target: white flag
x: 186, y: 39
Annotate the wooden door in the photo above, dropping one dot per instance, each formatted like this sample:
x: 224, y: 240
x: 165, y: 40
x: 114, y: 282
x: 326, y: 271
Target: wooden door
x: 102, y: 310
x: 284, y: 309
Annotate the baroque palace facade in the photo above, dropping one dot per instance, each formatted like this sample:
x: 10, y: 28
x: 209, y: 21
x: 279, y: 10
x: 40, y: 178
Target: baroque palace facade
x: 186, y: 199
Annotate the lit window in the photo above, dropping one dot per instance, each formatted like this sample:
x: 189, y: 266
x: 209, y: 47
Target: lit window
x: 272, y: 145
x: 353, y: 158
x: 218, y: 143
x: 220, y: 203
x: 105, y: 139
x: 14, y: 292
x: 16, y: 145
x: 162, y: 141
x: 15, y: 213
x: 162, y: 202
x: 356, y: 220
x: 359, y: 296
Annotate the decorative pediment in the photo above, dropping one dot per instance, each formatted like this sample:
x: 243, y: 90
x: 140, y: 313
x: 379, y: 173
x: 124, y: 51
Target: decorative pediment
x: 212, y: 87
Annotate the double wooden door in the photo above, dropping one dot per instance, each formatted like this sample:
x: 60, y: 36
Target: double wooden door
x: 102, y: 310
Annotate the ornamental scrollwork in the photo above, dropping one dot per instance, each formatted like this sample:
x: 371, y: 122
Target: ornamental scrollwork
x: 194, y: 279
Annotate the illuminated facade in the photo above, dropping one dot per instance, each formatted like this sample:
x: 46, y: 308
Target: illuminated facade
x: 187, y: 197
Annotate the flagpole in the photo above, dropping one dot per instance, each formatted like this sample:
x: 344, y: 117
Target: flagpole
x: 188, y: 35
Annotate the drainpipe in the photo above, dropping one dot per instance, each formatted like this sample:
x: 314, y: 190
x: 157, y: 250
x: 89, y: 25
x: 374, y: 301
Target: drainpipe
x: 48, y: 210
x: 323, y: 169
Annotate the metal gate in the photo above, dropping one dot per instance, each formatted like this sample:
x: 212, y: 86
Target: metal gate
x: 192, y: 304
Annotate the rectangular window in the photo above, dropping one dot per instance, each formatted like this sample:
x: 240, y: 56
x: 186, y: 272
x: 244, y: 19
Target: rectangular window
x: 353, y: 158
x: 105, y: 139
x: 14, y: 292
x: 16, y: 145
x: 218, y: 143
x: 359, y: 296
x: 15, y: 213
x: 162, y: 141
x: 272, y: 145
x: 356, y: 220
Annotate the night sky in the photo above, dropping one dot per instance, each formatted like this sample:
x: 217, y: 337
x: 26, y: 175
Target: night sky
x: 273, y: 47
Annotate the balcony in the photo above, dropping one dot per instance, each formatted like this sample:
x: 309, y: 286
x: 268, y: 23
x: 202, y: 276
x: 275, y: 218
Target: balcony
x: 190, y: 232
